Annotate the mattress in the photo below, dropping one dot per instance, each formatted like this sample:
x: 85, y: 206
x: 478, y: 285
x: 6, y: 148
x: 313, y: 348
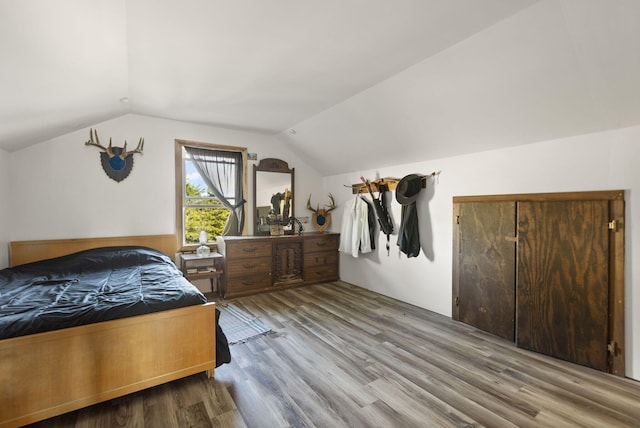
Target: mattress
x: 90, y: 286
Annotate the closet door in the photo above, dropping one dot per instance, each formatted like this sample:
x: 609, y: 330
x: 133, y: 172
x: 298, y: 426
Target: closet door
x: 485, y: 266
x: 563, y: 280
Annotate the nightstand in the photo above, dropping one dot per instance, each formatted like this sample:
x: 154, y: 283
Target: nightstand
x: 196, y: 267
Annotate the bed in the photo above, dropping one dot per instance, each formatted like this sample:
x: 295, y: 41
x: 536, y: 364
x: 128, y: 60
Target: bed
x: 46, y: 372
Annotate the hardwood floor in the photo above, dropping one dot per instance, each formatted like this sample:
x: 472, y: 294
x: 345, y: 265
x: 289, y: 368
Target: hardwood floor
x: 342, y: 356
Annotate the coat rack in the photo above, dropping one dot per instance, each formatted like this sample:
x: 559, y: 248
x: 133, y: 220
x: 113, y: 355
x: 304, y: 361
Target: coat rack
x: 390, y: 183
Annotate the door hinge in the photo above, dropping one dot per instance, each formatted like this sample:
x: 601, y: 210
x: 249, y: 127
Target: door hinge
x: 613, y: 225
x: 457, y: 301
x: 613, y: 349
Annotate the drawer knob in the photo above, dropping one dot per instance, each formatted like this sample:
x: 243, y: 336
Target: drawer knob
x: 250, y: 249
x: 249, y: 265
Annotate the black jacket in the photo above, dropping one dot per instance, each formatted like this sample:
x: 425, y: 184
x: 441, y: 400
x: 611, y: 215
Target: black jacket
x: 409, y: 235
x: 371, y: 215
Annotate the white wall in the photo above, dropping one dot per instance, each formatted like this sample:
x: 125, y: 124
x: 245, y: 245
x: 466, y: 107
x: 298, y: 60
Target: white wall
x: 59, y: 190
x: 602, y: 161
x: 4, y: 208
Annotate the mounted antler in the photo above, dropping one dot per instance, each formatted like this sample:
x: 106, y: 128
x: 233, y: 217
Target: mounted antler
x: 117, y: 162
x: 331, y: 207
x: 333, y: 203
x: 309, y: 207
x: 321, y: 216
x: 96, y: 143
x: 138, y: 149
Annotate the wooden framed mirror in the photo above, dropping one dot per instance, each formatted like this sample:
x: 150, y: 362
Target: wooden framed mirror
x: 273, y: 196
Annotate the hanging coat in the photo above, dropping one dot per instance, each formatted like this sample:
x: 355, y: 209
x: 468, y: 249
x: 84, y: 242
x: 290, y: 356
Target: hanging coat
x: 409, y: 234
x: 407, y: 192
x: 371, y: 217
x: 354, y: 235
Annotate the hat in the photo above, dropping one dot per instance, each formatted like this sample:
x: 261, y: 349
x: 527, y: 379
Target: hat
x: 408, y: 188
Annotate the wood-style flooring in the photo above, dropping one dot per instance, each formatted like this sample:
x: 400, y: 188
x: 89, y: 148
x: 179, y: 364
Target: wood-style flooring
x: 342, y: 356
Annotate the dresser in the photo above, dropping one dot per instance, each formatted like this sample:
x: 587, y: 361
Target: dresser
x: 256, y: 264
x: 321, y: 257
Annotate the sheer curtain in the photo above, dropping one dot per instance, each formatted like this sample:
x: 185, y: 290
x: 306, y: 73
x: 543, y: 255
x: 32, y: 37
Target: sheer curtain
x: 222, y: 172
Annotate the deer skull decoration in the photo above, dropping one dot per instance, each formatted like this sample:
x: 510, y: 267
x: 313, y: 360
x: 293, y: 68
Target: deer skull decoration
x: 117, y: 162
x: 321, y: 217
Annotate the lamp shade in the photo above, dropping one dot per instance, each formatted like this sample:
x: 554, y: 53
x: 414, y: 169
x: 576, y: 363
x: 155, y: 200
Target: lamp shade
x: 203, y: 250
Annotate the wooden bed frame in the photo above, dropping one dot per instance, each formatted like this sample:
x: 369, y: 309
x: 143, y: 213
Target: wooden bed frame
x: 46, y: 374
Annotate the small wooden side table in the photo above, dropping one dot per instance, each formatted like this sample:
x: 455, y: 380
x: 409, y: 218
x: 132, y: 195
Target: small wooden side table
x: 196, y: 267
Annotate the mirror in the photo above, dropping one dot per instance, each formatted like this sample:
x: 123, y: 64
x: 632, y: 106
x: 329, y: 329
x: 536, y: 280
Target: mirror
x: 273, y: 197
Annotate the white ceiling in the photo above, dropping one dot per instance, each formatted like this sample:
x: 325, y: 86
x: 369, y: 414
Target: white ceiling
x: 322, y: 68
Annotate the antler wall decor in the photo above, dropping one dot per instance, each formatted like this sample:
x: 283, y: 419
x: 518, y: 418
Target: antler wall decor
x: 321, y: 217
x: 117, y: 162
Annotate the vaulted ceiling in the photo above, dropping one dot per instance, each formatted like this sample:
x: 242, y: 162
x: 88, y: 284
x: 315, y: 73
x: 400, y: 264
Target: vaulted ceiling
x: 344, y: 74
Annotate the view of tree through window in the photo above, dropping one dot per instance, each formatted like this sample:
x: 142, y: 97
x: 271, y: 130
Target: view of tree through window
x: 202, y: 210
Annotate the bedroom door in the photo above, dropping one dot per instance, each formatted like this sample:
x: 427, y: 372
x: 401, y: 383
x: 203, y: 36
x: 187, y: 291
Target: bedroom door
x: 563, y: 280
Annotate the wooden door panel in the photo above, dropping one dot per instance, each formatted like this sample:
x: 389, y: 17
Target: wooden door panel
x: 288, y: 262
x: 562, y: 283
x: 487, y: 266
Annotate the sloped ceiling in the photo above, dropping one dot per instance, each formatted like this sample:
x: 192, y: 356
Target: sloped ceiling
x: 427, y: 77
x: 560, y: 68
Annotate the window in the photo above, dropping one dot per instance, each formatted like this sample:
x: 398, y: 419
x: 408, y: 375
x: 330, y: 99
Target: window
x: 202, y: 210
x: 210, y: 189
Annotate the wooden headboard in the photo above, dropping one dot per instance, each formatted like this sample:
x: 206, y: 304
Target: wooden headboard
x: 30, y: 251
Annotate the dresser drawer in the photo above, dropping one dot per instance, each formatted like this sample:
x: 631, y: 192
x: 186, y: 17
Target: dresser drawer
x: 321, y: 258
x: 321, y: 243
x: 247, y: 283
x: 246, y: 267
x: 321, y: 273
x: 248, y: 249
